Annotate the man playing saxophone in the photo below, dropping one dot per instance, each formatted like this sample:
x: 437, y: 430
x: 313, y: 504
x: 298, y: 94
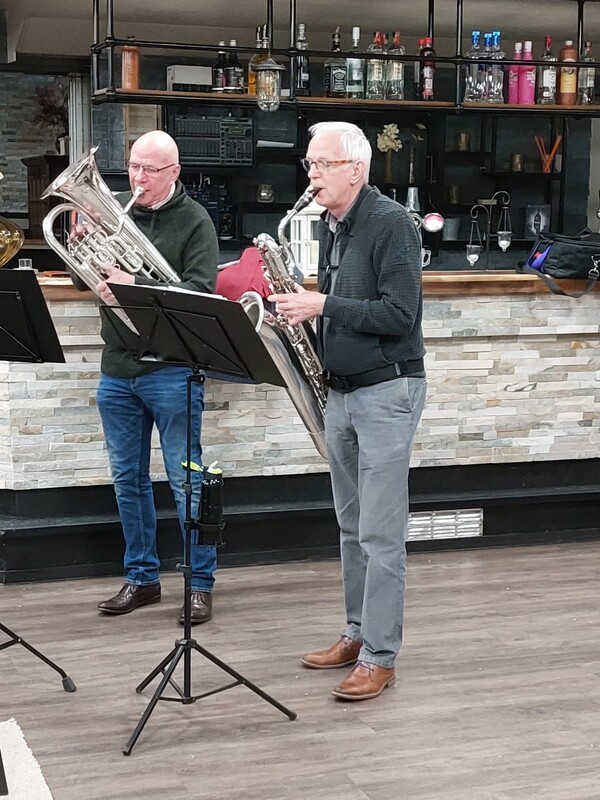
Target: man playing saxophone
x: 370, y: 342
x: 134, y: 397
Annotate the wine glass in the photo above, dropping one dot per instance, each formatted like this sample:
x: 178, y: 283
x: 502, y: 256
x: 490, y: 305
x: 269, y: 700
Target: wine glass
x: 504, y: 240
x: 473, y: 251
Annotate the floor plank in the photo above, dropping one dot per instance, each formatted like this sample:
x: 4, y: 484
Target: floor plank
x: 497, y: 695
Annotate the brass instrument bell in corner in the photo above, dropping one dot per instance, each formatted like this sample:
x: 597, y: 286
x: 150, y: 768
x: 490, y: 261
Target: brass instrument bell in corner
x: 11, y: 240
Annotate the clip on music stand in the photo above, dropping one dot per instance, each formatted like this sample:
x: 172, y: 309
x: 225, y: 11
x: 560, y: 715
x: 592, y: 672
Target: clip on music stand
x: 203, y: 332
x: 27, y: 334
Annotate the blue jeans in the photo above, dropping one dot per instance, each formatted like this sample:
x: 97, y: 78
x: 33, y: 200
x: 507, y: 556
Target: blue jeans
x: 129, y: 408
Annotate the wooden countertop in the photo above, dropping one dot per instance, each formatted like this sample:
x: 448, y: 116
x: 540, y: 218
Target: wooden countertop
x: 57, y: 286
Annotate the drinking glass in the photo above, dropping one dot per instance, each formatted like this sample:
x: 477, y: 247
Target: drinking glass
x: 473, y: 251
x: 504, y: 240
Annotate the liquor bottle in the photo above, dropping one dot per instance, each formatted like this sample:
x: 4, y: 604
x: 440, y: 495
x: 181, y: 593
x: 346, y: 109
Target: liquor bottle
x: 376, y: 70
x: 474, y: 74
x: 234, y: 74
x: 567, y: 90
x: 513, y: 75
x: 394, y: 76
x: 486, y: 55
x: 427, y: 70
x: 302, y: 71
x: 587, y: 78
x: 496, y: 71
x: 546, y: 76
x: 527, y: 78
x: 355, y: 69
x: 262, y: 53
x: 417, y: 74
x: 335, y: 70
x: 218, y: 70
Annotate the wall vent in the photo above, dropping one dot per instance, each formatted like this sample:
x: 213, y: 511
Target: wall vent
x: 451, y: 524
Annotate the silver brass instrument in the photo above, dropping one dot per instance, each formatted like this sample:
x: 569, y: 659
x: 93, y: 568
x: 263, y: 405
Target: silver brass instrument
x: 304, y: 377
x: 113, y: 238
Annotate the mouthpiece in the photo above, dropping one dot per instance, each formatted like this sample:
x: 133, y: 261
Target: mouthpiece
x: 304, y: 200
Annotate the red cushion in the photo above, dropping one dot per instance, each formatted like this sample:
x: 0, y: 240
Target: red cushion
x: 245, y: 275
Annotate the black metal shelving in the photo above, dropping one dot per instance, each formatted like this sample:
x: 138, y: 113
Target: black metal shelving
x: 436, y: 114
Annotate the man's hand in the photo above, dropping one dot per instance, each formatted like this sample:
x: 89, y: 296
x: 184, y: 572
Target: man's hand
x: 113, y: 275
x: 299, y: 306
x: 81, y: 229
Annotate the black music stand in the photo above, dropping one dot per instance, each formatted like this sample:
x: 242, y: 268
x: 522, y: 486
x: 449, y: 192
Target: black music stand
x: 27, y: 334
x: 210, y: 333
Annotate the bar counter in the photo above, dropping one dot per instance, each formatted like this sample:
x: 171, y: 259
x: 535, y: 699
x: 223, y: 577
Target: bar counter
x: 513, y: 371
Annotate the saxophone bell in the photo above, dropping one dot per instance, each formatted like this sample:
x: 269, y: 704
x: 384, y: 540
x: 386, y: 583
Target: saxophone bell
x: 292, y: 347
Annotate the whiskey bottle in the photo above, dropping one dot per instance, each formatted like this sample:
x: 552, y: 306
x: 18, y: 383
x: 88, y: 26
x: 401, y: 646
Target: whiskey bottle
x: 355, y: 69
x: 335, y: 70
x: 262, y: 53
x: 218, y: 70
x: 234, y: 74
x: 376, y: 70
x: 302, y: 73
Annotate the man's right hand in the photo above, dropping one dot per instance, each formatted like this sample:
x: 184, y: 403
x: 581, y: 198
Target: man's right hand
x: 81, y: 229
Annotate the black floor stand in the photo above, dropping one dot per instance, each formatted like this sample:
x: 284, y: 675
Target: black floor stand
x: 67, y: 682
x: 186, y: 646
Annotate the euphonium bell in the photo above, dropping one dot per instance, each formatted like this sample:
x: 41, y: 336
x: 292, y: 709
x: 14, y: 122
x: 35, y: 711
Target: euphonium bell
x: 11, y: 240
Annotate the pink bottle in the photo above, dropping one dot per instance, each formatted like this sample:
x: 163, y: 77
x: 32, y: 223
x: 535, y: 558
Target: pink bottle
x: 513, y: 75
x: 527, y: 79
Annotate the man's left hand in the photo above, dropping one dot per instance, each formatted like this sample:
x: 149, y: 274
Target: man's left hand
x: 113, y: 275
x: 300, y: 305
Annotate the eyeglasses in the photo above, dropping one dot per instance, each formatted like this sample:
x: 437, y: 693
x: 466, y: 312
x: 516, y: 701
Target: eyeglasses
x: 322, y: 164
x: 146, y: 168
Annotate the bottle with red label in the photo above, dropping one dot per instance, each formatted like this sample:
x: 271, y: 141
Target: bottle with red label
x: 427, y: 70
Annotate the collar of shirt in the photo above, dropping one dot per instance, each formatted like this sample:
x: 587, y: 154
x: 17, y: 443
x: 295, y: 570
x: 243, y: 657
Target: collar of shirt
x: 166, y: 200
x: 350, y: 215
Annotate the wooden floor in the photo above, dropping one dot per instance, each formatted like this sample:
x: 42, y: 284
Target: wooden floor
x: 497, y: 698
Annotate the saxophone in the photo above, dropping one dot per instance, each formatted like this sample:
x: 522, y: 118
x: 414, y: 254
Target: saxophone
x: 292, y: 347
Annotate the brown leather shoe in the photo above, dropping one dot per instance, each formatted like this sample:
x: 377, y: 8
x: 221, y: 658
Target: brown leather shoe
x: 342, y: 654
x: 131, y: 597
x: 201, y: 608
x: 365, y: 681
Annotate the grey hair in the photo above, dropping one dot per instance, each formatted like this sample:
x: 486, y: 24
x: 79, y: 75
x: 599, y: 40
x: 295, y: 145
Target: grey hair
x: 355, y: 144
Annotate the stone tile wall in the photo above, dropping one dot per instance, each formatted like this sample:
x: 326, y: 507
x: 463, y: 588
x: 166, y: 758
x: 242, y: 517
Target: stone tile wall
x: 19, y: 136
x: 511, y: 378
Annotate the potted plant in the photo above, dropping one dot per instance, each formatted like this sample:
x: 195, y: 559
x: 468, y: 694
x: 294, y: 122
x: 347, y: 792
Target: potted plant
x: 53, y: 113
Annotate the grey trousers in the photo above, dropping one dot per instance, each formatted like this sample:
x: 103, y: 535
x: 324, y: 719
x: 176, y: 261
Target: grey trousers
x: 369, y: 434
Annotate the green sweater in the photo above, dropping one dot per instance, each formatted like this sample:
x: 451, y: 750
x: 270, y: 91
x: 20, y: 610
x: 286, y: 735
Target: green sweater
x: 184, y: 234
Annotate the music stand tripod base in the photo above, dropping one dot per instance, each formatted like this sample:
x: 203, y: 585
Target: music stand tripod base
x: 67, y: 682
x: 209, y: 333
x: 28, y: 335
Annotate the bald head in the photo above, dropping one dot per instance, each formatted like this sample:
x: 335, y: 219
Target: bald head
x: 159, y: 144
x: 158, y: 151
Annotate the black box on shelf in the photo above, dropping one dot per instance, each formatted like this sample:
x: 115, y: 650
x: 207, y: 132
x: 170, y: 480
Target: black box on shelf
x: 214, y: 141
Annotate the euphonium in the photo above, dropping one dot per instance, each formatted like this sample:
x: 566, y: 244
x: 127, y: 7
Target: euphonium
x: 292, y: 347
x: 112, y: 239
x: 11, y: 240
